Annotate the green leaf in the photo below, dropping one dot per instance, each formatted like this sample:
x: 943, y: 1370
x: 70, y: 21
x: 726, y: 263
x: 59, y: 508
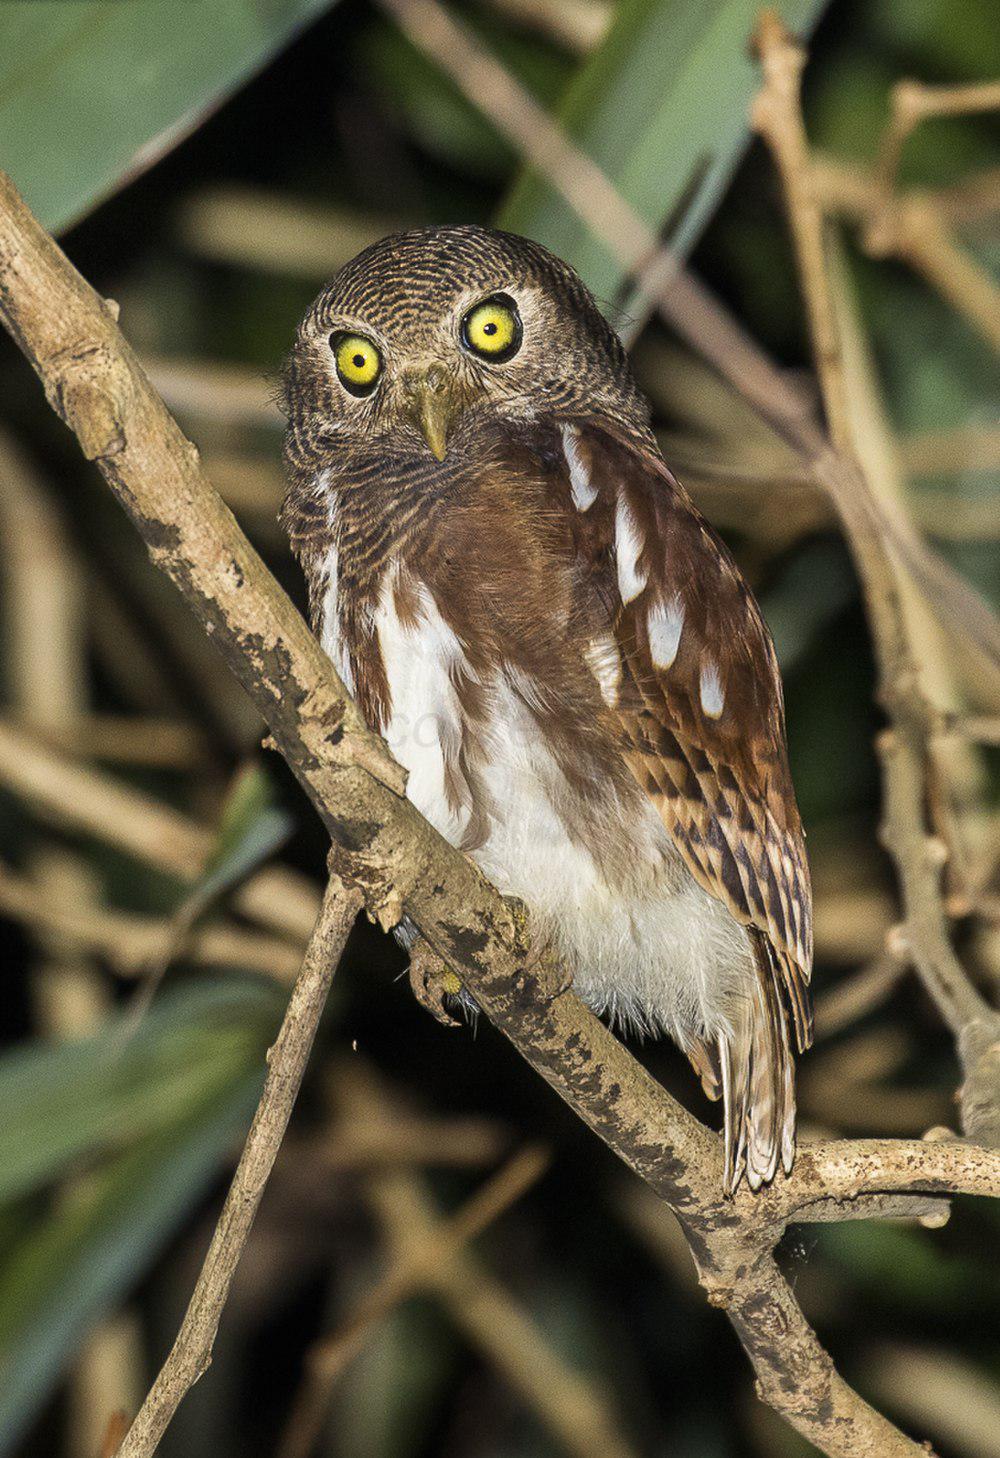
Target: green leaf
x: 252, y: 827
x: 92, y: 92
x: 662, y: 106
x: 74, y: 1266
x: 895, y: 1263
x: 79, y: 1101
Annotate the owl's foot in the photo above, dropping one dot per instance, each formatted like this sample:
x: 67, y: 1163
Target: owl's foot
x: 558, y: 978
x: 432, y: 982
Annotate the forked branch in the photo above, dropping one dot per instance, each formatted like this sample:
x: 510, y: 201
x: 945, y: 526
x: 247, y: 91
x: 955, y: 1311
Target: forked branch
x: 907, y: 745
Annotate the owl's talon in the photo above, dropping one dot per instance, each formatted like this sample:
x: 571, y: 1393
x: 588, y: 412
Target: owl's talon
x: 555, y: 978
x: 564, y: 984
x: 431, y: 981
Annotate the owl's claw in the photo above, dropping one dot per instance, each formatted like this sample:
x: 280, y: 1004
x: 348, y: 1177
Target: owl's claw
x: 555, y: 978
x: 431, y: 982
x: 565, y: 983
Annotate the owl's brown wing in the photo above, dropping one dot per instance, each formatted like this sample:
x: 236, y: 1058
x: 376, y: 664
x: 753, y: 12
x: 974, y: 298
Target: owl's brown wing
x: 700, y: 705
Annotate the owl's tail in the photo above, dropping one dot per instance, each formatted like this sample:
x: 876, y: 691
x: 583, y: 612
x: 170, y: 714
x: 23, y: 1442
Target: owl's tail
x: 752, y: 1071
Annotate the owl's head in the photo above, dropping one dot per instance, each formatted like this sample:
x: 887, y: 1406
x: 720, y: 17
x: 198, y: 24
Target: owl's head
x: 424, y: 334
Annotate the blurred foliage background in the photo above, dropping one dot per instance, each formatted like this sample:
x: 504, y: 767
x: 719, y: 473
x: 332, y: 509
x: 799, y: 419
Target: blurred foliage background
x: 207, y: 165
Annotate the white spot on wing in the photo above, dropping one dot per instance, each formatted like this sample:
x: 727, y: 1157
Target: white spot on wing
x: 665, y: 623
x: 583, y: 489
x: 628, y: 546
x: 713, y: 697
x: 605, y: 664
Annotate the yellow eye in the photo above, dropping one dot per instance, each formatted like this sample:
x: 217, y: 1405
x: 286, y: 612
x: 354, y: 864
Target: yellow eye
x: 493, y: 328
x: 359, y: 363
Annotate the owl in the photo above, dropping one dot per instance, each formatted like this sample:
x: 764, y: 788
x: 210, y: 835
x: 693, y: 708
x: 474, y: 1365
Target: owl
x: 559, y: 650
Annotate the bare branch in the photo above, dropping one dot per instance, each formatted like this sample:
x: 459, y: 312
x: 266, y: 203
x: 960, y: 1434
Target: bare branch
x: 904, y: 748
x: 192, y: 1350
x: 847, y: 1169
x: 796, y: 1377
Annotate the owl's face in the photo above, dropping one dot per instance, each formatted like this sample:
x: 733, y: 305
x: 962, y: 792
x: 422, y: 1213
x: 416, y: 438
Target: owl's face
x: 425, y: 334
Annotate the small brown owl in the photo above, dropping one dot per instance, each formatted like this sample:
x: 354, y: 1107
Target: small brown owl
x: 557, y: 647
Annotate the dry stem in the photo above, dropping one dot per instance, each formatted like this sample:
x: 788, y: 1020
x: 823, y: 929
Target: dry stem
x: 130, y: 942
x: 75, y: 797
x: 905, y: 747
x: 918, y: 227
x: 192, y: 1350
x: 914, y: 102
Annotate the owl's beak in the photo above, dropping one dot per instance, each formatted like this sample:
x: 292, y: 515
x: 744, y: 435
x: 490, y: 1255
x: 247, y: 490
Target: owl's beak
x: 434, y: 409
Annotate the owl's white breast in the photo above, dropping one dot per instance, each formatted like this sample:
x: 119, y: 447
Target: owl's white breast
x: 649, y: 952
x: 330, y: 636
x: 424, y: 730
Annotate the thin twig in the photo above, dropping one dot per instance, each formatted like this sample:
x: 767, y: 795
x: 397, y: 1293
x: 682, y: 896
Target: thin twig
x: 130, y: 942
x: 259, y: 229
x: 914, y: 230
x: 853, y: 998
x: 914, y: 102
x: 952, y: 452
x: 226, y: 394
x: 916, y: 226
x: 572, y: 1406
x: 978, y: 728
x: 192, y: 1350
x: 903, y: 748
x: 129, y: 739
